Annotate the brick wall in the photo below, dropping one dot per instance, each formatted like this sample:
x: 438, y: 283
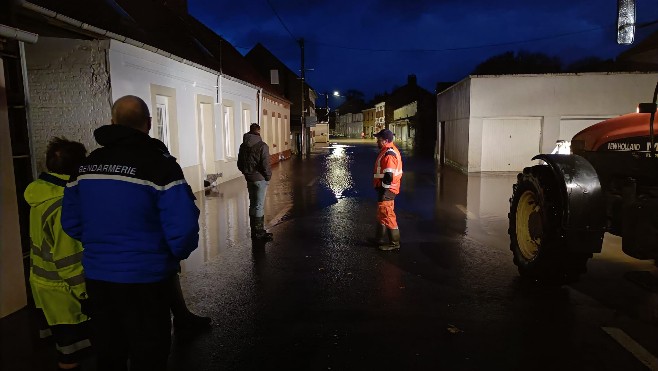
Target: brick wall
x: 69, y: 90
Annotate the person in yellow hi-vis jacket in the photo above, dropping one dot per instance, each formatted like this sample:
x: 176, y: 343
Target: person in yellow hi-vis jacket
x: 56, y: 274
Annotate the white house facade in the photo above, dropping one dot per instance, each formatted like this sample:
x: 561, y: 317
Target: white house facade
x: 498, y: 123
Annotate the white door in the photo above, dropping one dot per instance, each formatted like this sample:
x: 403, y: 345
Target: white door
x: 206, y: 139
x: 508, y: 144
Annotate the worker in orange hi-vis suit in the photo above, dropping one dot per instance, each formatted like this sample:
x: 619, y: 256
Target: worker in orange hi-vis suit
x: 387, y: 177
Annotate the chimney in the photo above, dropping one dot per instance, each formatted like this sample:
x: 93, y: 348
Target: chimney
x: 179, y: 6
x: 411, y: 80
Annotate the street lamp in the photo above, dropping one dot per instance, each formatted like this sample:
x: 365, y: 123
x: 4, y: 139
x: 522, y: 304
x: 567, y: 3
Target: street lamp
x: 335, y: 94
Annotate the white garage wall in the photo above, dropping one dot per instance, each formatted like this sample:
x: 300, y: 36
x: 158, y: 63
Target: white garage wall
x: 565, y: 103
x: 559, y: 95
x: 453, y: 106
x: 508, y: 144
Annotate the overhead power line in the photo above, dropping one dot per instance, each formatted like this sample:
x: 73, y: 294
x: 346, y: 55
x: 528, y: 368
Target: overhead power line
x: 461, y: 47
x: 281, y: 20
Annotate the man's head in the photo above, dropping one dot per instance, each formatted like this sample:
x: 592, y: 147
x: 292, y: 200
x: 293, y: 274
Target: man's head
x: 131, y: 111
x: 384, y: 136
x: 254, y: 128
x: 64, y: 156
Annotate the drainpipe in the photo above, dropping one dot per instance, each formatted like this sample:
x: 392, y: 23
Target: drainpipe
x: 17, y: 34
x: 259, y: 104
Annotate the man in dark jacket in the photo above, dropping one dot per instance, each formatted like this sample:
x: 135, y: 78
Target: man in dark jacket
x: 129, y: 205
x: 254, y: 163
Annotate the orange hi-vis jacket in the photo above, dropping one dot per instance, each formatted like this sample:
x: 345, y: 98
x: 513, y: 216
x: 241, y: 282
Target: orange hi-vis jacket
x: 389, y: 160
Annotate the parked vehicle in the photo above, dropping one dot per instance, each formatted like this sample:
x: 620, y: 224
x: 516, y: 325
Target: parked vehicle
x: 560, y: 210
x: 608, y: 182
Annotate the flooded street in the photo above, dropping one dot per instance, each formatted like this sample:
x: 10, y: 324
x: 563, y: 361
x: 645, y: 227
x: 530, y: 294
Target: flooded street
x: 318, y: 297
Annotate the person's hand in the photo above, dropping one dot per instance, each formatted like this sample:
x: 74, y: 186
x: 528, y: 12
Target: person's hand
x: 85, y: 307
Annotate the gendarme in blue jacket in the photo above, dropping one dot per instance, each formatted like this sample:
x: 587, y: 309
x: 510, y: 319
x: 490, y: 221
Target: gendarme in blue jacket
x: 131, y: 208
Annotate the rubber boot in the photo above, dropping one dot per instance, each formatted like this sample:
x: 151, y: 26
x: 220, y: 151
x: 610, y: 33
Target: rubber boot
x: 258, y: 231
x: 394, y: 240
x: 380, y: 231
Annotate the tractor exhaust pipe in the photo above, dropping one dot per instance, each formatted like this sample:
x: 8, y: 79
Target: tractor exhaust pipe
x: 651, y: 120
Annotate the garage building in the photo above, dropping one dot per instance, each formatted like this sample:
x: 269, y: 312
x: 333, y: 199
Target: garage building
x: 498, y: 123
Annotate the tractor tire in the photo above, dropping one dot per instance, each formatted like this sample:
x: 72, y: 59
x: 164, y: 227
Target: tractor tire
x: 537, y: 239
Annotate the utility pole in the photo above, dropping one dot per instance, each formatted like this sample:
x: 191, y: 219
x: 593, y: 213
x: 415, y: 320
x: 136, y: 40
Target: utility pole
x: 303, y: 118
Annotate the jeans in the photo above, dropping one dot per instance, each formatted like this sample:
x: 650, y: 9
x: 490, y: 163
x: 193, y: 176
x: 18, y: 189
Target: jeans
x: 257, y: 192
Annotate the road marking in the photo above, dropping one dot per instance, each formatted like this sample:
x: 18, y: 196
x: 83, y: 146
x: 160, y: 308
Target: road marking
x: 632, y: 346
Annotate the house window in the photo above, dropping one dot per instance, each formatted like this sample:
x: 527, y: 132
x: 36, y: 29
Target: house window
x: 246, y: 120
x: 160, y: 128
x: 274, y: 77
x: 229, y: 131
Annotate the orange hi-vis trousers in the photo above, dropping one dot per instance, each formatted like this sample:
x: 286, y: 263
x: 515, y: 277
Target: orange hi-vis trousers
x: 386, y: 214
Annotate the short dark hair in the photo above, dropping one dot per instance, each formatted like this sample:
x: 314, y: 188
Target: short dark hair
x: 254, y: 127
x: 130, y: 111
x: 64, y: 156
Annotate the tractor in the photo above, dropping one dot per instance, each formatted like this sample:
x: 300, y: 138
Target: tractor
x: 559, y: 210
x: 607, y: 182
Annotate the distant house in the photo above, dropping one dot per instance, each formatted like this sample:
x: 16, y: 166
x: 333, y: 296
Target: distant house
x: 369, y: 122
x: 410, y: 112
x: 498, y: 123
x: 287, y: 84
x: 65, y: 62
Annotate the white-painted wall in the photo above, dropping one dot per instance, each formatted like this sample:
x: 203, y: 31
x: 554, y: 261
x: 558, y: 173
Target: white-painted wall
x: 142, y: 73
x: 275, y: 125
x: 69, y: 87
x: 453, y: 107
x: 406, y: 111
x: 550, y: 98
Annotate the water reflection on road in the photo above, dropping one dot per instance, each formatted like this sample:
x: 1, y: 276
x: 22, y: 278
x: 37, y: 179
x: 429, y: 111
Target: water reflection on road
x: 456, y: 217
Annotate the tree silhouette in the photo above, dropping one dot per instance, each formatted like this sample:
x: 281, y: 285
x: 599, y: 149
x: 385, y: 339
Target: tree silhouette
x: 509, y: 63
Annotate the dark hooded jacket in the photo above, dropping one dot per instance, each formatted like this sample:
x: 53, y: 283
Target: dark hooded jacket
x: 263, y: 170
x: 132, y: 209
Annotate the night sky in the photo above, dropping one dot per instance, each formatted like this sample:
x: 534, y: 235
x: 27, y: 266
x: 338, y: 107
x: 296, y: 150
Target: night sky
x: 372, y: 45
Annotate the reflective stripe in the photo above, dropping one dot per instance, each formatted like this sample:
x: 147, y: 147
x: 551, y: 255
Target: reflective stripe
x: 378, y: 176
x: 50, y: 210
x: 69, y: 260
x: 70, y: 349
x: 38, y: 271
x: 54, y: 276
x: 75, y: 280
x: 386, y: 185
x: 126, y: 179
x: 45, y: 333
x: 44, y: 252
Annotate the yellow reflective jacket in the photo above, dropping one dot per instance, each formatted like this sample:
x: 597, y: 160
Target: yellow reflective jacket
x: 56, y: 274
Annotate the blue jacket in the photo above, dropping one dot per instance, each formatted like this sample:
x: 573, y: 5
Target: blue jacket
x: 131, y: 208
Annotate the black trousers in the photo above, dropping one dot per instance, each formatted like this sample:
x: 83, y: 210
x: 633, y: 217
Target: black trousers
x: 131, y: 321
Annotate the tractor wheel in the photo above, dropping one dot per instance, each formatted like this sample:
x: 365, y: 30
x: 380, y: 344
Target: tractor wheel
x: 537, y: 239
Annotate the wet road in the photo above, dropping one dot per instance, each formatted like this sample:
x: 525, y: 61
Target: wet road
x: 319, y: 298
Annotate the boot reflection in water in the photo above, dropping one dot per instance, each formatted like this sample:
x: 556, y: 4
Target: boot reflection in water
x: 184, y: 320
x: 258, y: 231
